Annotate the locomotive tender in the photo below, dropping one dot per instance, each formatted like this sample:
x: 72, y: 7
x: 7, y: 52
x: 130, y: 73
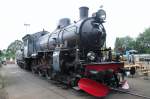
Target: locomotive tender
x: 74, y: 54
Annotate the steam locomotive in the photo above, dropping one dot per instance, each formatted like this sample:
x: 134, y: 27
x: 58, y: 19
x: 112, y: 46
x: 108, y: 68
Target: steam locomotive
x: 74, y: 54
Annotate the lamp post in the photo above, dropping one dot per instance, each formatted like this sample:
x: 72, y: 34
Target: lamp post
x: 26, y: 25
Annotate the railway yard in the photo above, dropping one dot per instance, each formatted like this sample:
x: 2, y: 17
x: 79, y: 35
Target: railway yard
x: 20, y: 84
x: 62, y: 56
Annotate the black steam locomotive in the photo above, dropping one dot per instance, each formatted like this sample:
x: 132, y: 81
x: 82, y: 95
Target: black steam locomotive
x: 74, y: 54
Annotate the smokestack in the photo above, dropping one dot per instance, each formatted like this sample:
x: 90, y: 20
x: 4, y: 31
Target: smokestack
x: 83, y: 12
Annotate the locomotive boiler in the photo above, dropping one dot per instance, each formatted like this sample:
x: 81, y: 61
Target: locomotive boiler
x: 74, y: 54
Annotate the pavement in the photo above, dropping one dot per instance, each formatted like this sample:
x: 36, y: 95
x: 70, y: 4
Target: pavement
x: 21, y: 84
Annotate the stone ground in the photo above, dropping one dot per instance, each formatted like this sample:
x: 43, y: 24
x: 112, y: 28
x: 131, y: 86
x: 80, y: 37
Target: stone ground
x: 20, y: 84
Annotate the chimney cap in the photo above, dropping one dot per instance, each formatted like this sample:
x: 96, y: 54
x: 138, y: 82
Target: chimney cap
x: 85, y: 7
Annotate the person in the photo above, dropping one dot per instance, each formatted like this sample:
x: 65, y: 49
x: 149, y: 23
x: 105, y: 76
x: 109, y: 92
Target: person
x: 128, y: 56
x: 131, y: 58
x: 109, y: 55
x: 132, y: 71
x: 117, y: 57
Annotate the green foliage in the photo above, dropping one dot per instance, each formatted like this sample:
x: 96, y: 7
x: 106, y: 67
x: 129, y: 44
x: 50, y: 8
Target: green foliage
x: 14, y: 46
x: 124, y: 43
x: 11, y: 50
x: 141, y: 43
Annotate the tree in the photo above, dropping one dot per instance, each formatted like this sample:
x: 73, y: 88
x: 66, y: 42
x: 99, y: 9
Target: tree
x: 12, y: 48
x: 123, y: 44
x: 2, y: 55
x: 143, y: 42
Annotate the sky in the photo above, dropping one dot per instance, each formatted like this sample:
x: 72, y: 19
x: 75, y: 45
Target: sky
x: 124, y: 17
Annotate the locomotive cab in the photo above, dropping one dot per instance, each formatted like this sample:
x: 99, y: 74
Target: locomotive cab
x: 28, y: 48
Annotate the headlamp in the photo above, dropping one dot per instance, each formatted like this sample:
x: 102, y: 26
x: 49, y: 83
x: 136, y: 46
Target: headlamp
x: 91, y: 55
x: 101, y: 14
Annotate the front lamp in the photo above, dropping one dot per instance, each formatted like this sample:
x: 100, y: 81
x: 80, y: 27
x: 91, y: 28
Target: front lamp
x: 101, y: 14
x: 91, y: 55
